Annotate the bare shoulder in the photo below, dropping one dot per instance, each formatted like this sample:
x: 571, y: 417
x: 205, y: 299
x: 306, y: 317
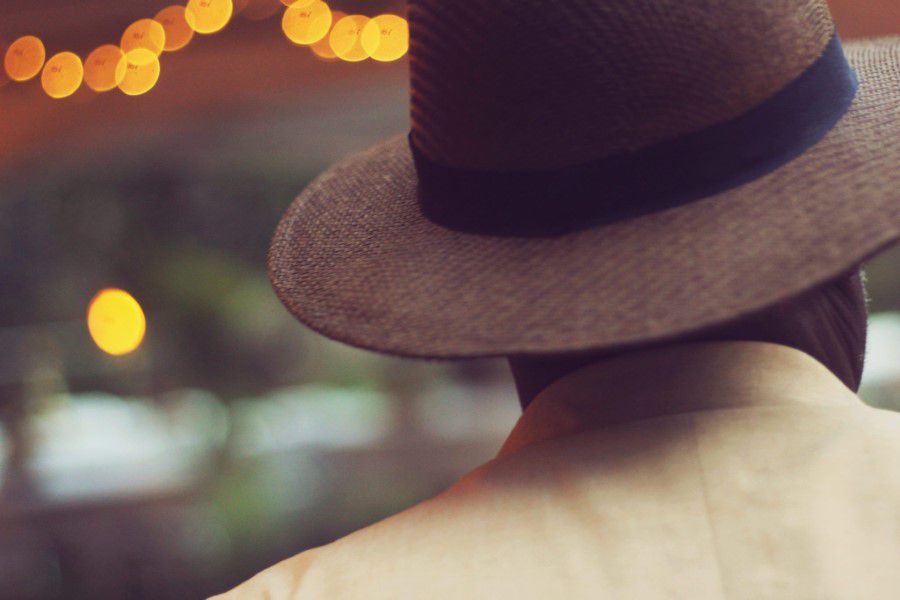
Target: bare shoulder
x: 881, y: 430
x: 588, y: 494
x: 884, y: 425
x: 329, y: 571
x: 283, y: 580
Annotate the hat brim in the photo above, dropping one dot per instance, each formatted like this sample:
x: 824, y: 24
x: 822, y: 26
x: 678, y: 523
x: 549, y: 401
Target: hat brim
x: 354, y: 258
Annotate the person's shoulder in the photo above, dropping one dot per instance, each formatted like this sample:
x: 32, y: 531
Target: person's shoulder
x: 337, y: 569
x: 882, y: 425
x: 283, y: 580
x: 862, y: 449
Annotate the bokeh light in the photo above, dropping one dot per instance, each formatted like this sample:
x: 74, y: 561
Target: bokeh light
x: 147, y: 34
x: 208, y: 16
x: 178, y: 32
x: 386, y: 37
x: 62, y: 75
x: 257, y: 10
x: 105, y: 68
x: 345, y: 38
x: 306, y: 24
x: 116, y: 322
x: 322, y: 48
x: 141, y: 72
x: 24, y: 58
x: 134, y: 66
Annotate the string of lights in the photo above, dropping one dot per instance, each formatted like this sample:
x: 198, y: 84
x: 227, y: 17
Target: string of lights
x: 133, y: 65
x: 115, y: 319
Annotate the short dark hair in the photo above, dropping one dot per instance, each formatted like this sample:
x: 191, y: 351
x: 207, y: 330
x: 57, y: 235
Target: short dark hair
x: 828, y: 322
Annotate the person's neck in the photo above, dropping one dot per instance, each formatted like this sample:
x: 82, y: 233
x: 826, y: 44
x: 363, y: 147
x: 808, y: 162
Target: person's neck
x: 532, y: 374
x: 567, y: 396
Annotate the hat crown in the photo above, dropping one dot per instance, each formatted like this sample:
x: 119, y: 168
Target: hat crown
x: 533, y: 84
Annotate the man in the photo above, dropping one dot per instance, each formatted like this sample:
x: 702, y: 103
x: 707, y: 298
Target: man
x: 657, y: 209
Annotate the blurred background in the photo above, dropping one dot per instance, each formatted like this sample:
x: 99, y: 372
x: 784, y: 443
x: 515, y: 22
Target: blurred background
x: 166, y: 429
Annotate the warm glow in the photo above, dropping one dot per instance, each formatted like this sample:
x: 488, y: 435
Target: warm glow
x: 178, y: 32
x: 345, y: 38
x: 24, y: 58
x: 297, y: 3
x: 147, y: 34
x: 141, y: 72
x: 306, y: 24
x: 104, y: 68
x: 62, y: 75
x: 257, y: 10
x: 386, y: 37
x: 322, y: 48
x: 116, y: 322
x: 208, y: 16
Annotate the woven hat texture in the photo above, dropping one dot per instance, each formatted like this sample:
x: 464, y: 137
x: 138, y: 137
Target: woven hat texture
x: 531, y: 84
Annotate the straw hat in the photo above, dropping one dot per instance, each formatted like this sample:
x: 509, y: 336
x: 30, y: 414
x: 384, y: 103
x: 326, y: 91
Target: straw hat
x: 586, y: 175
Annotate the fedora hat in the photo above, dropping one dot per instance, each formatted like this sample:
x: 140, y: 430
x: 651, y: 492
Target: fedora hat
x: 586, y: 174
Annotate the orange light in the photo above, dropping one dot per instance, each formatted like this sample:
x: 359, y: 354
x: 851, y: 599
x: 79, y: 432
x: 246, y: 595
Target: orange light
x: 105, y: 68
x: 322, y: 48
x: 208, y: 16
x: 24, y: 58
x: 306, y: 24
x: 386, y: 37
x: 257, y: 10
x: 345, y: 38
x: 297, y: 3
x: 62, y: 75
x: 178, y: 32
x: 116, y: 322
x: 141, y: 72
x: 146, y: 34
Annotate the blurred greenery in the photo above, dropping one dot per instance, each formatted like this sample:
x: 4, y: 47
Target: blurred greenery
x: 883, y: 281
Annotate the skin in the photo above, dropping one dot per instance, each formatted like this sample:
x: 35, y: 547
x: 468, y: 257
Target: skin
x: 534, y: 373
